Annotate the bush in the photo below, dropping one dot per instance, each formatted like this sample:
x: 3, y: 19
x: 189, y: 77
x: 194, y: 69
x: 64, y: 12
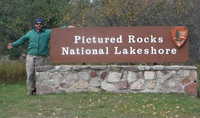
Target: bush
x: 12, y: 71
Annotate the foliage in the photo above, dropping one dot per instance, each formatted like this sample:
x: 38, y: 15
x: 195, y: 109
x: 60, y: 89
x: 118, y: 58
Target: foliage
x: 12, y: 71
x: 17, y: 16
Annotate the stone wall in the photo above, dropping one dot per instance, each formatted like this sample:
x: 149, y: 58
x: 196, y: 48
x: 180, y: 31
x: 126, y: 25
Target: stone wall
x: 117, y: 78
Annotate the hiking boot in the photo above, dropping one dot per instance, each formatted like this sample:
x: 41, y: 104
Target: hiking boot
x: 32, y: 92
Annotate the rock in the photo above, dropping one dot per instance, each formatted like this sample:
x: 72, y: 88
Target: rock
x: 44, y: 68
x: 84, y: 75
x: 114, y: 77
x: 149, y: 75
x: 138, y: 85
x: 95, y: 82
x: 117, y: 78
x: 108, y: 86
x: 158, y: 67
x: 151, y: 84
x: 144, y: 68
x: 93, y: 74
x: 132, y: 76
x: 81, y: 84
x: 103, y: 75
x: 191, y: 89
x: 122, y: 85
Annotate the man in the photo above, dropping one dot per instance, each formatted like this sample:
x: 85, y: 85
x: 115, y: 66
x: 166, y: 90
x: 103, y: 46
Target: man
x: 38, y: 46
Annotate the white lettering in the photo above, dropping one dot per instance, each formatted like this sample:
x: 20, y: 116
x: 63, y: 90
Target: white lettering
x: 64, y: 51
x: 150, y: 39
x: 139, y: 40
x: 161, y: 51
x: 153, y: 50
x: 131, y: 39
x: 146, y: 40
x: 153, y: 39
x: 146, y: 51
x: 77, y: 39
x: 88, y: 40
x: 124, y: 51
x: 119, y: 39
x: 100, y: 40
x: 160, y: 40
x: 173, y: 51
x: 139, y: 51
x: 116, y: 51
x: 84, y: 51
x: 132, y: 50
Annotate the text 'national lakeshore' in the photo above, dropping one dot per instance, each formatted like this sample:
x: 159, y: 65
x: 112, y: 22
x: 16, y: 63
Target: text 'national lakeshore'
x: 117, y: 51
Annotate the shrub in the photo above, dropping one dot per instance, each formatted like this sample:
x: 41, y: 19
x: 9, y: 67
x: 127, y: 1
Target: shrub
x: 11, y: 71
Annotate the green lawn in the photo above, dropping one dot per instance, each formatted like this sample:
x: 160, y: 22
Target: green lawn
x: 15, y: 104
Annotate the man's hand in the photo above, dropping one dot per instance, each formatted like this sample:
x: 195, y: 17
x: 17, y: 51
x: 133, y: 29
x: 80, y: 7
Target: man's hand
x: 9, y: 46
x: 71, y: 26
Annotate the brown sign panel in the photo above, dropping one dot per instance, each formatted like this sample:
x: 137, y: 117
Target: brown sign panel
x: 119, y: 45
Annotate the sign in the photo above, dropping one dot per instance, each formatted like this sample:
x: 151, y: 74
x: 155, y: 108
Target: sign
x: 179, y: 35
x: 119, y: 45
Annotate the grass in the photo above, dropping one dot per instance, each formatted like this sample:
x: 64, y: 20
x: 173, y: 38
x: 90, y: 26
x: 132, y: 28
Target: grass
x: 14, y: 103
x: 12, y: 71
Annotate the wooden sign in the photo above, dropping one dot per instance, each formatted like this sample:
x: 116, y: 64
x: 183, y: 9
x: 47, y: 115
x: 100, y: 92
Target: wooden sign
x: 119, y: 45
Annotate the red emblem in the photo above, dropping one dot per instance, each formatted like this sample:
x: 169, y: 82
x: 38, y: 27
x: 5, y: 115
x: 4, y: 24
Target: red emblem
x: 179, y: 35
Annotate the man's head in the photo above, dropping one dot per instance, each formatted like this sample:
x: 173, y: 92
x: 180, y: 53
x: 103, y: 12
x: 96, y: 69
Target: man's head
x: 39, y: 22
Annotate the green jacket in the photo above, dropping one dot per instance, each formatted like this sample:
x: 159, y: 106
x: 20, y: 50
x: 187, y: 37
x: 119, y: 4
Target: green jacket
x: 38, y: 42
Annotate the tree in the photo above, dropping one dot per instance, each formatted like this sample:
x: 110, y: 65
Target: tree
x: 17, y: 16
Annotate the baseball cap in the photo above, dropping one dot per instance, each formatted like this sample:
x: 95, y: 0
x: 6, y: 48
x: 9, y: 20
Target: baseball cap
x: 39, y: 20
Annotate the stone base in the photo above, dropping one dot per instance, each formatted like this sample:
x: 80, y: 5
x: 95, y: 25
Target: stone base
x: 117, y: 78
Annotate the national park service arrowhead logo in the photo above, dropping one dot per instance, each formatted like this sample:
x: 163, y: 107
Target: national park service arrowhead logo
x: 179, y: 35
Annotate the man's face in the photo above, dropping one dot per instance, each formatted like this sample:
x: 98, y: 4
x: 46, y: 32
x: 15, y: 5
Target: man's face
x: 38, y: 26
